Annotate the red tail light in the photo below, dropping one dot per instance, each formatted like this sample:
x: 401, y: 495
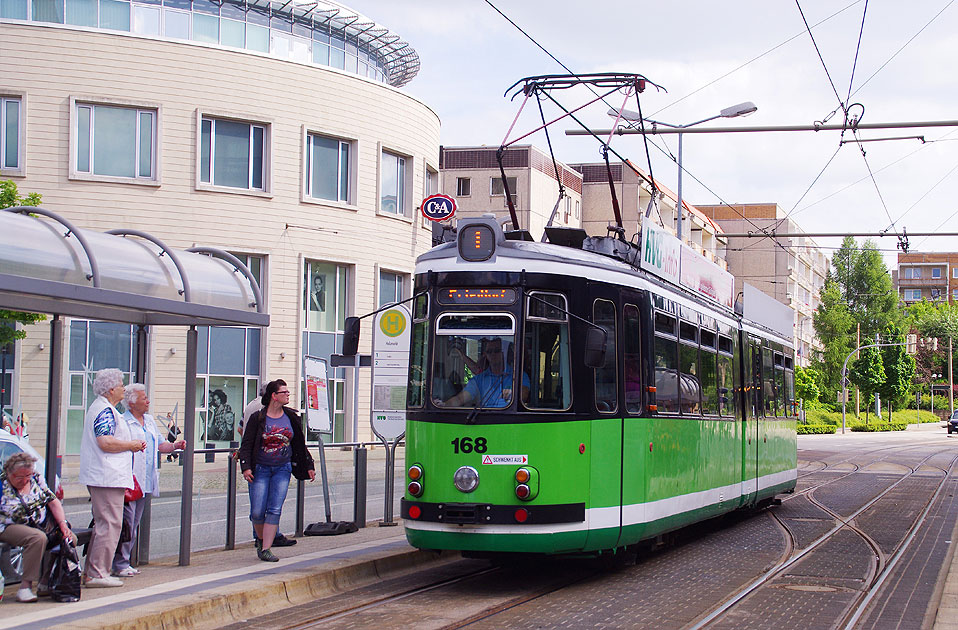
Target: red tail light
x: 414, y: 511
x: 522, y: 515
x: 415, y: 488
x: 522, y: 491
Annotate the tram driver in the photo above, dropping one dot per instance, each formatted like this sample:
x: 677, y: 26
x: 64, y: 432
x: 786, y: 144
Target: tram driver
x: 491, y: 386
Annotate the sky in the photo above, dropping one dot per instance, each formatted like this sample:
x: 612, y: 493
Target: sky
x: 710, y: 55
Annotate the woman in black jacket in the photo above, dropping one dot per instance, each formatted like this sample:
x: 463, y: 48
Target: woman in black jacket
x: 273, y: 448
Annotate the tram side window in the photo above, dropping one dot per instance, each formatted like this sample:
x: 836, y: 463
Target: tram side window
x: 780, y: 386
x: 416, y: 392
x: 790, y: 393
x: 606, y: 386
x: 546, y: 352
x: 690, y: 385
x: 768, y: 383
x: 709, y: 386
x: 725, y: 375
x: 633, y: 380
x: 666, y: 381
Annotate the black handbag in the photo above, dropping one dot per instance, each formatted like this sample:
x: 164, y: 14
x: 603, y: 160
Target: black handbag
x: 63, y: 578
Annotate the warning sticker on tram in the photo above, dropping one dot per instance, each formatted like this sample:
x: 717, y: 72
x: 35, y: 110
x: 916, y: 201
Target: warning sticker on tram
x: 505, y: 459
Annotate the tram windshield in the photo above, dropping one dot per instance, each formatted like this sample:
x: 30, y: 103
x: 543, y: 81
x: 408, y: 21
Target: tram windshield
x: 475, y: 361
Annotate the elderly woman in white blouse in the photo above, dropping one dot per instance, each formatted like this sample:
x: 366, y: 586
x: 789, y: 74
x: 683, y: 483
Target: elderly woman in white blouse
x: 142, y: 426
x: 106, y: 468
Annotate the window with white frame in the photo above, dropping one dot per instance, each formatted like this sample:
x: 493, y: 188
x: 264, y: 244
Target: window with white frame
x: 954, y: 294
x: 496, y: 188
x: 326, y: 287
x: 233, y: 153
x: 392, y: 195
x: 912, y: 295
x: 327, y: 168
x: 936, y: 272
x: 431, y: 184
x: 390, y: 288
x: 911, y: 273
x: 463, y: 186
x: 115, y: 141
x: 954, y: 272
x: 10, y: 143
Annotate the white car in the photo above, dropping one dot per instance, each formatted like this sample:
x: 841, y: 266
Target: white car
x: 11, y: 560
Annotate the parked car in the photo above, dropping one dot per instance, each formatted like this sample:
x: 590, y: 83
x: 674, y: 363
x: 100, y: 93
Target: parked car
x: 953, y: 423
x: 11, y: 560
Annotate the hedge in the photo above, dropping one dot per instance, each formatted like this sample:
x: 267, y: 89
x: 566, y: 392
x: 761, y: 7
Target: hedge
x: 808, y: 429
x: 879, y: 426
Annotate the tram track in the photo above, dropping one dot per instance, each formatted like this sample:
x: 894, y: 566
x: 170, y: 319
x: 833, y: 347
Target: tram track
x: 880, y: 569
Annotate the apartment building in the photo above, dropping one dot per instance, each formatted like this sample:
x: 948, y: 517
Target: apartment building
x: 471, y: 175
x: 790, y: 269
x: 926, y: 276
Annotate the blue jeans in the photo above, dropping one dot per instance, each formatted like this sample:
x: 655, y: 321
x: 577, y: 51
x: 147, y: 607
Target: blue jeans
x: 267, y: 492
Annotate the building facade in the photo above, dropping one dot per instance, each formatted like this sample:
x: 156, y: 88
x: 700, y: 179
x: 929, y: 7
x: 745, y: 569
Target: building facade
x: 791, y: 269
x: 274, y: 131
x: 634, y: 194
x: 471, y: 175
x: 926, y: 276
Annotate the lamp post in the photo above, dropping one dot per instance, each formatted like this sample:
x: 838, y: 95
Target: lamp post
x: 933, y: 377
x: 742, y: 109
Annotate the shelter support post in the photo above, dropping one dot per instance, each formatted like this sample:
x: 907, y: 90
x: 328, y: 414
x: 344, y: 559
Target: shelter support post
x: 141, y: 550
x: 189, y: 432
x: 231, y: 464
x: 54, y: 401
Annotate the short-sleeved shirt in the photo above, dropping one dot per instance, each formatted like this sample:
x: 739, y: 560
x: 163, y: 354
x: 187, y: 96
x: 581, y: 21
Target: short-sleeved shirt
x: 487, y: 388
x: 275, y: 448
x: 24, y: 509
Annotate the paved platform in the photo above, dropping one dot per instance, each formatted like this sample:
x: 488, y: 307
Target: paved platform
x: 222, y: 587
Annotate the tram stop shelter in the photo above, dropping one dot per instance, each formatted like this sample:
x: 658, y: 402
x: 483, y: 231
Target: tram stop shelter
x: 49, y: 266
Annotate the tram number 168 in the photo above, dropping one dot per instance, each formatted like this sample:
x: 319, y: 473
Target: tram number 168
x: 468, y: 445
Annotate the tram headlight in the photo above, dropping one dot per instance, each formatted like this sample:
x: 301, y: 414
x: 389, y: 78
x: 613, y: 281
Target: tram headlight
x: 466, y: 479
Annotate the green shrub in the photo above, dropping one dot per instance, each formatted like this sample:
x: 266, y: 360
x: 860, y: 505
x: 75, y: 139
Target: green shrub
x: 818, y: 416
x: 809, y: 429
x: 879, y: 426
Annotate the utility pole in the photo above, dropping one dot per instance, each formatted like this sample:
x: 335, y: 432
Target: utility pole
x: 858, y: 342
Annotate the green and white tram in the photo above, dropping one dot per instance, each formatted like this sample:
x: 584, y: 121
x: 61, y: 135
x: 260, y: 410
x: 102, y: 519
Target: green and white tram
x: 564, y: 400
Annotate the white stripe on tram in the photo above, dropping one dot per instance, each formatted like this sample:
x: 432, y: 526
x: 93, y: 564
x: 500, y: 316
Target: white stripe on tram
x: 634, y: 514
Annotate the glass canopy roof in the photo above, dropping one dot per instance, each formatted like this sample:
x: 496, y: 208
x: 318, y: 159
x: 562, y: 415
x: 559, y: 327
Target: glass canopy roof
x: 47, y: 265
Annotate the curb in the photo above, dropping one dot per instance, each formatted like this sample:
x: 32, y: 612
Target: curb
x: 253, y: 598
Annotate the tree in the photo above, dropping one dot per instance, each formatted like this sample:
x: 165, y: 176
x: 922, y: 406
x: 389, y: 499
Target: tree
x: 899, y: 366
x: 867, y: 373
x: 806, y: 386
x: 866, y: 286
x: 835, y: 327
x: 10, y: 197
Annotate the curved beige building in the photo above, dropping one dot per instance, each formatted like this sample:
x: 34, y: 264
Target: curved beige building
x: 277, y: 132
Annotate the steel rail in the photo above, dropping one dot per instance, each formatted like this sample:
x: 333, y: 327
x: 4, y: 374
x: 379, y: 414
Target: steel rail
x: 774, y: 572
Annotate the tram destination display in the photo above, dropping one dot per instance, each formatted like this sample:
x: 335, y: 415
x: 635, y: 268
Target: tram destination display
x: 477, y: 296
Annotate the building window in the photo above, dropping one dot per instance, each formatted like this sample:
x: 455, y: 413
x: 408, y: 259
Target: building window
x: 911, y: 273
x: 116, y: 141
x: 233, y: 154
x: 431, y: 185
x: 463, y: 186
x: 936, y: 272
x: 94, y: 346
x: 954, y: 295
x: 227, y: 371
x: 390, y: 288
x: 496, y: 189
x: 327, y: 168
x: 392, y: 196
x: 912, y: 295
x: 326, y: 287
x: 10, y: 116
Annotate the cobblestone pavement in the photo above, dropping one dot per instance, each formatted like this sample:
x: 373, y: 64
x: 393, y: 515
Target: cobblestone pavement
x: 677, y: 586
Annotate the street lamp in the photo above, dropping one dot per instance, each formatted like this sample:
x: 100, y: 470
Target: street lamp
x: 933, y: 377
x: 742, y: 109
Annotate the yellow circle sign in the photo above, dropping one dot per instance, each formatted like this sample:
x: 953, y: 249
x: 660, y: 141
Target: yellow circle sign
x: 392, y: 323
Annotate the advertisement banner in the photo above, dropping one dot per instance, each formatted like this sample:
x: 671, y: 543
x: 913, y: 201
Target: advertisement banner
x: 706, y: 278
x: 661, y: 252
x: 318, y: 416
